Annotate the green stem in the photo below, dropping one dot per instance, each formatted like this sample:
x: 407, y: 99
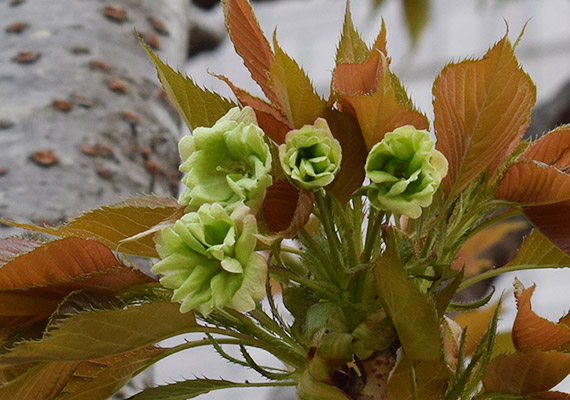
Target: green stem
x: 374, y: 223
x: 323, y: 272
x: 296, y: 362
x: 498, y: 271
x: 414, y: 380
x: 332, y: 238
x: 274, y: 327
x: 317, y: 287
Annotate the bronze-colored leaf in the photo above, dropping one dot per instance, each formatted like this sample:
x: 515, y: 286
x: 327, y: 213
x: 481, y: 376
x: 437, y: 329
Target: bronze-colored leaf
x: 482, y: 109
x: 531, y: 331
x: 533, y: 183
x: 250, y: 43
x: 33, y: 284
x: 11, y: 247
x: 101, y: 378
x: 270, y: 119
x: 553, y: 221
x: 346, y: 130
x: 41, y: 382
x: 375, y: 97
x: 551, y: 396
x: 525, y: 373
x: 286, y: 209
x: 550, y: 146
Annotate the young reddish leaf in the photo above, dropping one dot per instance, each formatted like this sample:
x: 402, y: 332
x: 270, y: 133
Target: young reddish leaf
x: 32, y: 285
x: 270, y: 119
x: 553, y: 221
x: 375, y: 97
x: 431, y: 380
x: 482, y: 109
x: 250, y: 43
x: 98, y: 333
x: 351, y: 175
x: 56, y: 262
x: 100, y: 379
x: 526, y: 372
x: 549, y: 147
x: 531, y: 331
x: 197, y: 106
x: 473, y: 254
x: 11, y: 247
x: 41, y: 382
x: 412, y: 312
x: 296, y: 96
x: 533, y: 183
x: 112, y: 225
x: 286, y: 209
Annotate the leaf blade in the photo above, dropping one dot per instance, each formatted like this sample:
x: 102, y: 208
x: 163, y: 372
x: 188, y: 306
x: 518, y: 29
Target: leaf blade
x: 482, y: 109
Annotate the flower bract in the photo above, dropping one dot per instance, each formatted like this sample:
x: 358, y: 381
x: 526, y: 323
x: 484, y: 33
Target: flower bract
x: 311, y: 155
x: 208, y: 258
x: 404, y: 171
x: 228, y: 163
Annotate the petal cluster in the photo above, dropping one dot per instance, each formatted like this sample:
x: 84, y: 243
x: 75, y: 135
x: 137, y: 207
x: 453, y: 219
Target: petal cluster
x: 404, y: 171
x: 311, y: 155
x: 208, y: 258
x: 228, y: 163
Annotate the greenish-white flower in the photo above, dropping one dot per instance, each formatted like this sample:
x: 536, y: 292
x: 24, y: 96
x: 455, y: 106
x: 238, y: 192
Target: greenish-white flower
x: 405, y: 171
x: 208, y: 258
x: 228, y: 163
x: 311, y: 155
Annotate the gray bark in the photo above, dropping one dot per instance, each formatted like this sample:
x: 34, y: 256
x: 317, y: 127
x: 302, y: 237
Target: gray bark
x: 110, y: 144
x: 68, y: 142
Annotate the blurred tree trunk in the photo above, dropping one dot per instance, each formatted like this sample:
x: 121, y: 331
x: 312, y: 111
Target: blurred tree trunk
x: 83, y: 121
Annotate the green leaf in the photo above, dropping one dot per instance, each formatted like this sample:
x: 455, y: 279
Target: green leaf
x: 112, y: 225
x: 197, y: 106
x: 538, y: 249
x: 482, y: 109
x: 431, y: 380
x: 351, y: 48
x: 192, y: 388
x: 526, y: 372
x: 98, y: 333
x: 414, y: 315
x: 41, y: 382
x: 297, y: 98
